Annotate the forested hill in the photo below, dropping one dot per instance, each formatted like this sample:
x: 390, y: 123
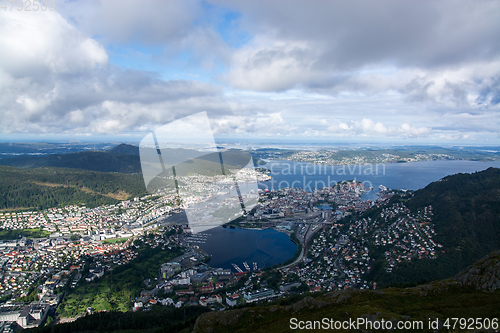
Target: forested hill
x: 466, y: 218
x: 104, y: 161
x: 123, y: 158
x: 125, y: 149
x: 42, y: 188
x: 466, y: 212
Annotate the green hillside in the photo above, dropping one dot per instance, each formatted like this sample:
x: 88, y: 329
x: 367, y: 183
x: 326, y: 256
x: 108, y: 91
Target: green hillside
x: 116, y: 290
x: 42, y: 188
x: 89, y: 160
x: 125, y: 158
x: 98, y: 178
x: 414, y: 306
x: 466, y: 218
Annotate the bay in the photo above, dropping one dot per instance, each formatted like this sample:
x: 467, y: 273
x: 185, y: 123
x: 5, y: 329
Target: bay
x: 269, y: 247
x: 265, y: 247
x: 411, y: 175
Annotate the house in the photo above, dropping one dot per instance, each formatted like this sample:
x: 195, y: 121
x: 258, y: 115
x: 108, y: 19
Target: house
x: 204, y: 301
x: 232, y: 300
x: 206, y: 289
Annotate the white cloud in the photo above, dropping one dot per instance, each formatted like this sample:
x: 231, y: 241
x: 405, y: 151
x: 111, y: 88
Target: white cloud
x: 121, y: 21
x: 443, y: 53
x: 43, y: 42
x: 367, y: 127
x: 55, y: 79
x: 273, y: 66
x: 268, y: 124
x: 157, y: 32
x: 352, y: 69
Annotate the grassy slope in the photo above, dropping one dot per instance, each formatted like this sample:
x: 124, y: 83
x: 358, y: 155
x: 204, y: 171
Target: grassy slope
x: 9, y: 234
x: 117, y: 288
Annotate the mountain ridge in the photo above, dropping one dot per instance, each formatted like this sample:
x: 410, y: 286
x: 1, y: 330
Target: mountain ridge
x: 466, y: 219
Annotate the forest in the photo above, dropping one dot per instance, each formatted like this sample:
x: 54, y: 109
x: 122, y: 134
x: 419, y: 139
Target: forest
x: 466, y: 210
x: 42, y: 188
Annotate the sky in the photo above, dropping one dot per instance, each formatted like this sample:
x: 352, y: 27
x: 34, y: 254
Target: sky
x: 401, y: 72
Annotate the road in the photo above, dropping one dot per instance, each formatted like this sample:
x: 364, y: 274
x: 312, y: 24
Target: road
x: 304, y: 240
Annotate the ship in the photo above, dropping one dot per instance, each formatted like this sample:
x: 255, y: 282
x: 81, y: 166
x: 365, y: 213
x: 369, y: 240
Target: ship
x: 254, y: 266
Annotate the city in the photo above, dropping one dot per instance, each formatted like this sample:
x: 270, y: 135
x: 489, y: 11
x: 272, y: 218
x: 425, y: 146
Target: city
x: 249, y: 166
x: 331, y: 255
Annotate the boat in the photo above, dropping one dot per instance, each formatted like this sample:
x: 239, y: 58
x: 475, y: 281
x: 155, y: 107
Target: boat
x: 254, y: 266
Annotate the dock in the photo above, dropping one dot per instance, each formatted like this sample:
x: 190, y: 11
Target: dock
x: 239, y: 270
x: 246, y: 266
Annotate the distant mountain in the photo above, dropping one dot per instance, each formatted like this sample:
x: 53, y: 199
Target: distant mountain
x: 125, y: 158
x: 466, y: 218
x: 125, y: 149
x: 102, y: 161
x: 24, y: 188
x: 16, y: 149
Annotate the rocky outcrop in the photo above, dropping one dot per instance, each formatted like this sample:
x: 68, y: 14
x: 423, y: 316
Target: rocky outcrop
x: 205, y: 322
x: 483, y: 275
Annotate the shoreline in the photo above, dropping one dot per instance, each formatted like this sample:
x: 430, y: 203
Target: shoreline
x: 387, y: 162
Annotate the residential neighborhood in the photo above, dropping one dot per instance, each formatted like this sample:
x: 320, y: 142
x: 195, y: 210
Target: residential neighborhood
x: 75, y: 245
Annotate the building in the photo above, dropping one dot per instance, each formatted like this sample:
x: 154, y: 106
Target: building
x: 181, y: 281
x: 258, y: 295
x: 200, y: 277
x: 30, y: 316
x: 212, y: 299
x: 206, y: 289
x: 169, y: 269
x: 232, y: 300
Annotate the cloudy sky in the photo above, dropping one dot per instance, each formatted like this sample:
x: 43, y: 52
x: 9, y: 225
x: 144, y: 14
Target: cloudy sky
x: 402, y: 72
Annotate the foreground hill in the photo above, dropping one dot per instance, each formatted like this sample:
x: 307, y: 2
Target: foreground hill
x: 42, y: 188
x: 466, y: 219
x: 475, y: 293
x: 464, y: 296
